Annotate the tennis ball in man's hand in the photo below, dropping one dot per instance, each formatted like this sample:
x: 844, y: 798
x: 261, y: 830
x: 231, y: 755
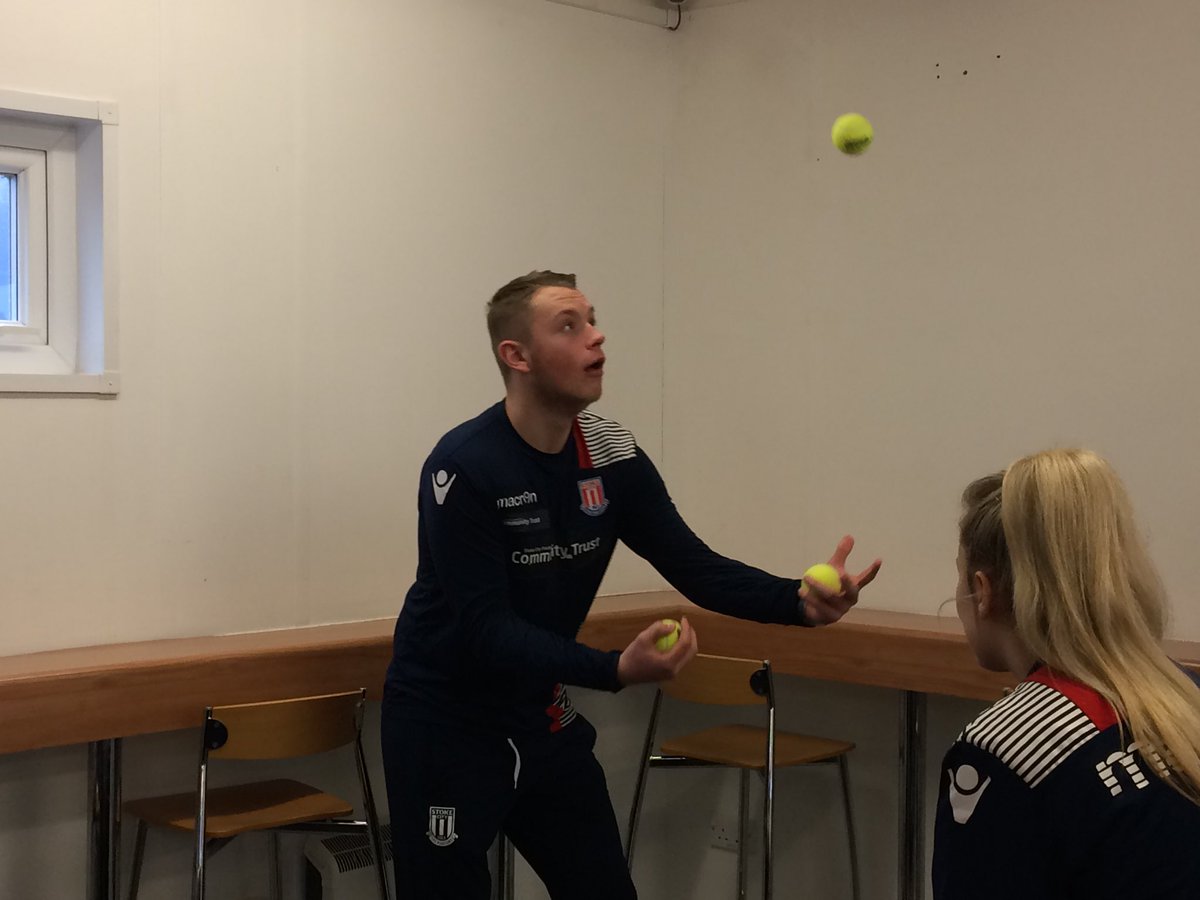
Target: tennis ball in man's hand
x: 667, y: 641
x: 825, y: 575
x: 852, y: 134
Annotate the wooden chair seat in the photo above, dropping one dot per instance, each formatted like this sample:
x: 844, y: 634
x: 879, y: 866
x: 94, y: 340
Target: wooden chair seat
x: 276, y: 729
x: 241, y: 808
x: 745, y: 747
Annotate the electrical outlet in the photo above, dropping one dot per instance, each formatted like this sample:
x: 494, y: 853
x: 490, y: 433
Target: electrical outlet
x: 724, y: 834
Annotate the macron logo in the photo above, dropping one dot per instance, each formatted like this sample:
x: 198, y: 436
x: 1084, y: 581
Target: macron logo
x: 441, y: 485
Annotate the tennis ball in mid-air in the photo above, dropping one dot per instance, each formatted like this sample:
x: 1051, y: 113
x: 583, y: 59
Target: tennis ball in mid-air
x: 667, y: 641
x: 852, y: 133
x: 825, y: 575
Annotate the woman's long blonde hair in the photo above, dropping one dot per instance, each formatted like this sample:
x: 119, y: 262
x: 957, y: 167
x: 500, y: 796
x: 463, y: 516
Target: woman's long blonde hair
x: 1056, y: 532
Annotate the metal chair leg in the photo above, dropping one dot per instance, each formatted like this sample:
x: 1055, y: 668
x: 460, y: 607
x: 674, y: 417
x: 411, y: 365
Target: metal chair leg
x: 201, y: 826
x: 505, y: 868
x: 768, y: 835
x: 139, y: 852
x: 913, y: 722
x: 275, y: 891
x: 743, y: 829
x: 198, y: 874
x: 769, y: 809
x: 374, y: 829
x: 844, y: 767
x: 639, y: 791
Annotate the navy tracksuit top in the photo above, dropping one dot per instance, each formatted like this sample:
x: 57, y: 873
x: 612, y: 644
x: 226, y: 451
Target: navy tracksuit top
x: 513, y: 544
x: 1044, y: 796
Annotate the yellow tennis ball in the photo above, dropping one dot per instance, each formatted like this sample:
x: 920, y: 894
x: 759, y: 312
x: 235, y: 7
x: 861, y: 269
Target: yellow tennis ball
x: 667, y: 641
x: 852, y: 134
x: 826, y: 575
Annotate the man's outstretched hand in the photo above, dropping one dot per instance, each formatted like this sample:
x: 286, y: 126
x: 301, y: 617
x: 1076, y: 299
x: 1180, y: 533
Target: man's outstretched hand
x: 823, y: 606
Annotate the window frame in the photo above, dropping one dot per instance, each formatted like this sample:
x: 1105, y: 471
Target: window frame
x: 6, y: 247
x: 29, y: 166
x: 66, y: 344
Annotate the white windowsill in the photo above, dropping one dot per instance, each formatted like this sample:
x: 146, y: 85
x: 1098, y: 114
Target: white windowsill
x: 66, y: 383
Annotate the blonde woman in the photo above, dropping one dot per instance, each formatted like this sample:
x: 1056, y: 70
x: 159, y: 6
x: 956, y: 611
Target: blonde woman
x: 1084, y: 782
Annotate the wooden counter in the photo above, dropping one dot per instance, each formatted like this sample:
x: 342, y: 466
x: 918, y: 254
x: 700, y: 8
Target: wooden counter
x: 93, y: 693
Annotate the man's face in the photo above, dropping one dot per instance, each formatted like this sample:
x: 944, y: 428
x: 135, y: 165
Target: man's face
x: 566, y: 364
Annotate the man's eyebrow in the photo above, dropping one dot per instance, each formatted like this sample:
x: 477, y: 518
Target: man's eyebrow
x: 572, y: 313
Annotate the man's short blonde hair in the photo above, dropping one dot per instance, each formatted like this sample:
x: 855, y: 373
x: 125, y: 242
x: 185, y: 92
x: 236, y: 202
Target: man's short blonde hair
x: 508, y: 312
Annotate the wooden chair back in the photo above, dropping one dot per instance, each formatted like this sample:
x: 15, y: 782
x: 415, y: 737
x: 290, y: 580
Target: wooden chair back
x: 279, y: 729
x: 721, y: 681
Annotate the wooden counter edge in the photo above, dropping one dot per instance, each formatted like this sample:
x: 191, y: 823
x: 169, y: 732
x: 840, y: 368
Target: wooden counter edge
x: 74, y: 696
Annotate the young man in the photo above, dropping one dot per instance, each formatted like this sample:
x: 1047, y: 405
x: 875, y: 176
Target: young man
x: 520, y: 511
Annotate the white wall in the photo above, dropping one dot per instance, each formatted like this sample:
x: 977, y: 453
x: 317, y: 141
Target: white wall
x: 1010, y: 267
x: 317, y: 200
x: 849, y: 341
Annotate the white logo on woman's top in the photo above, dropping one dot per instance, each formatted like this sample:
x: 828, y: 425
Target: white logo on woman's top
x: 965, y: 791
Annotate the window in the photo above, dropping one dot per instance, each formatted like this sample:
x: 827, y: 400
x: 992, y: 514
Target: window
x: 8, y: 250
x: 24, y: 319
x: 57, y: 245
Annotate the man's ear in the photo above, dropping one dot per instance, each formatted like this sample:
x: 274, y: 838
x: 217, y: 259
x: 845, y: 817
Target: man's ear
x: 513, y: 355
